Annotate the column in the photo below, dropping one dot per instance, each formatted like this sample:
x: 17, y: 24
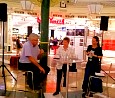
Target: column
x: 9, y: 34
x: 85, y: 43
x: 44, y: 44
x: 45, y: 24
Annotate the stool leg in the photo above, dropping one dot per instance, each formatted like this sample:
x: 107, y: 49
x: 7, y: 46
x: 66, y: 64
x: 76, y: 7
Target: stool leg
x: 18, y: 74
x: 76, y: 76
x: 41, y: 93
x: 15, y: 95
x: 16, y: 87
x: 26, y: 81
x: 32, y: 78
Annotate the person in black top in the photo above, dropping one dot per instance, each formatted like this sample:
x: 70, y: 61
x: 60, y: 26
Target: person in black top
x: 94, y: 53
x: 19, y: 45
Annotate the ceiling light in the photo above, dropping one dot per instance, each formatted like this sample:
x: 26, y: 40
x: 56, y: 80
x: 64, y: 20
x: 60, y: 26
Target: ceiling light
x: 62, y: 4
x: 95, y: 8
x: 26, y: 5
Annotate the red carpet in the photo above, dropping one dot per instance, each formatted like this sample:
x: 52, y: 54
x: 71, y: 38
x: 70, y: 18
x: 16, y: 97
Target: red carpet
x: 50, y: 87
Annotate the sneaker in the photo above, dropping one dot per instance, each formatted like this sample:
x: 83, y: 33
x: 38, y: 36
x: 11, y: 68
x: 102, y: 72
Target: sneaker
x: 56, y: 93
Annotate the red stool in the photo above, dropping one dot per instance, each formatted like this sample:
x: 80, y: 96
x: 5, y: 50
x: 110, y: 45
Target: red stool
x: 14, y: 62
x: 54, y: 48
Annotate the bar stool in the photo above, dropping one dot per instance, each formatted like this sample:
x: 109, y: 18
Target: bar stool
x: 83, y: 66
x: 95, y: 84
x: 25, y: 74
x: 104, y: 74
x: 73, y: 69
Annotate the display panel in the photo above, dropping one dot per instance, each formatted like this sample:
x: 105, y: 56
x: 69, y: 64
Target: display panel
x: 75, y: 32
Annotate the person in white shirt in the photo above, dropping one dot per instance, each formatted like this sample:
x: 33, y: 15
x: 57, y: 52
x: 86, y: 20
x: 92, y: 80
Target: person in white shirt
x: 64, y: 52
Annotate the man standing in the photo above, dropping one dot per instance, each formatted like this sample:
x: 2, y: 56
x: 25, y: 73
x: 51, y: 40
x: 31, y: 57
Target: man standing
x: 63, y: 51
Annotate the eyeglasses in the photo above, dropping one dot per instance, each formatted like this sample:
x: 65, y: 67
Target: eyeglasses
x: 34, y: 40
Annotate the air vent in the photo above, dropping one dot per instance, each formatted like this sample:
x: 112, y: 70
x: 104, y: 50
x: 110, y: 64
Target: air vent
x: 109, y: 17
x: 31, y: 13
x: 82, y: 16
x: 98, y: 16
x: 112, y: 17
x: 69, y: 16
x: 19, y: 12
x: 56, y: 15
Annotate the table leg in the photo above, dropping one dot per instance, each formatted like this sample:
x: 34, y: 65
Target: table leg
x: 67, y: 81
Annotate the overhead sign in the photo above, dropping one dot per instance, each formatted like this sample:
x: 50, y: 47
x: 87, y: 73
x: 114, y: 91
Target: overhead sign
x: 52, y: 20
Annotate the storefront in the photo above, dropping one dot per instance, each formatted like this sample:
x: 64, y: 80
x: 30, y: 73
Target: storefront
x: 87, y: 29
x: 18, y: 24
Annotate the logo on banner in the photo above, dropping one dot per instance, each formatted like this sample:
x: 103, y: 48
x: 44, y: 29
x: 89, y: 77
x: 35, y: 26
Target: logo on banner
x: 52, y: 20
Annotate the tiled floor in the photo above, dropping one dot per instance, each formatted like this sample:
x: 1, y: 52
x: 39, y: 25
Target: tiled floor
x: 51, y: 79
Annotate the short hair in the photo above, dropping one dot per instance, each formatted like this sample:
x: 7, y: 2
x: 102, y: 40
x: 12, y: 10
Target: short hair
x: 67, y: 39
x: 33, y: 35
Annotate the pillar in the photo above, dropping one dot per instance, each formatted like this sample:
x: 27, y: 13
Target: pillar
x: 45, y: 24
x: 9, y: 34
x: 85, y: 43
x: 44, y: 44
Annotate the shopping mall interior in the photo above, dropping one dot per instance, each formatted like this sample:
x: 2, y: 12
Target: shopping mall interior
x: 65, y: 17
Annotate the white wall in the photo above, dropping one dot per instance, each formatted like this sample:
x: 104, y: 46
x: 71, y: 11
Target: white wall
x: 78, y: 48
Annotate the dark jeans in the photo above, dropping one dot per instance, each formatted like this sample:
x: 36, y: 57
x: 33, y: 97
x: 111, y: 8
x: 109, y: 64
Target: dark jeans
x: 63, y: 71
x: 59, y: 77
x: 89, y: 71
x: 37, y: 76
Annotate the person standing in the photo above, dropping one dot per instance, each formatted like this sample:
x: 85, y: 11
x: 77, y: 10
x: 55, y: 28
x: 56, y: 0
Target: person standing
x: 65, y: 51
x: 19, y: 45
x: 55, y: 45
x: 94, y: 53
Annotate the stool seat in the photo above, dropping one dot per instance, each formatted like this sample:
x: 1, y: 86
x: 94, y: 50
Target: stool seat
x: 100, y: 74
x: 95, y: 84
x: 72, y: 70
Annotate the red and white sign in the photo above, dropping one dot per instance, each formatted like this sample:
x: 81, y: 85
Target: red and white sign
x: 108, y: 45
x: 52, y: 20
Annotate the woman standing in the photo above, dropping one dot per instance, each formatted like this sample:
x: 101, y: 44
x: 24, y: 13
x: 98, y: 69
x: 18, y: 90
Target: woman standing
x: 94, y: 53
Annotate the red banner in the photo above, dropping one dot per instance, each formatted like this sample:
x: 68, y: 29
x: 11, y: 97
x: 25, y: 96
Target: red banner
x: 52, y: 20
x: 108, y: 45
